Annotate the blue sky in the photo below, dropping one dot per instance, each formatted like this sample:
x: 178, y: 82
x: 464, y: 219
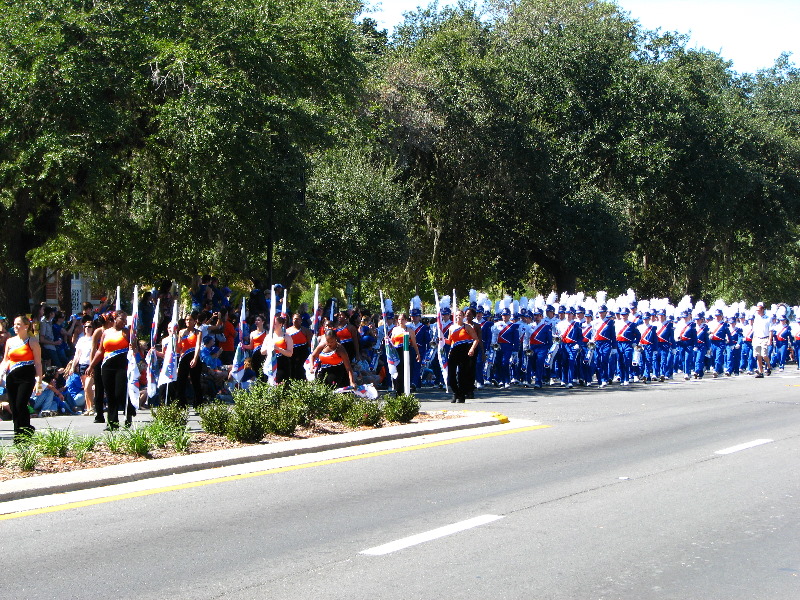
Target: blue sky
x: 751, y: 33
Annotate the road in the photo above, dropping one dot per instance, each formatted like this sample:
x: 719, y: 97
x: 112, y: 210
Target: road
x: 623, y: 494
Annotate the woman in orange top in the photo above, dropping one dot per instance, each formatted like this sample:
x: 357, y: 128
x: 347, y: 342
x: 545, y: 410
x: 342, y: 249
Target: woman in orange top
x: 22, y: 367
x: 283, y: 346
x: 301, y: 339
x: 112, y: 355
x: 348, y: 336
x: 334, y: 368
x: 463, y: 340
x: 396, y: 337
x: 257, y: 337
x: 190, y: 367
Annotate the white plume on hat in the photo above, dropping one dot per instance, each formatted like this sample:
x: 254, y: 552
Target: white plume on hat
x: 685, y: 303
x: 498, y: 307
x: 539, y: 302
x: 523, y: 303
x: 416, y: 302
x: 579, y: 298
x: 481, y: 300
x: 515, y: 307
x: 700, y: 306
x: 551, y: 298
x: 564, y: 298
x: 473, y: 296
x: 590, y: 304
x: 507, y: 301
x: 387, y: 305
x: 644, y: 305
x: 601, y: 297
x: 444, y: 302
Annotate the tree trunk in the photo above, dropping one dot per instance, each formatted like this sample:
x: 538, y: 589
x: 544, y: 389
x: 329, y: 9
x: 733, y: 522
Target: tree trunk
x: 14, y: 276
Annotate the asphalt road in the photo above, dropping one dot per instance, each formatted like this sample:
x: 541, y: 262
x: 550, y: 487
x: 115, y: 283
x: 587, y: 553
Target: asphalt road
x: 624, y: 496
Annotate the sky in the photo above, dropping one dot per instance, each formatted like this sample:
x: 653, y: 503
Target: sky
x: 751, y: 33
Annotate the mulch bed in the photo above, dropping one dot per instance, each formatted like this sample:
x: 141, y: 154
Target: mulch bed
x: 200, y: 442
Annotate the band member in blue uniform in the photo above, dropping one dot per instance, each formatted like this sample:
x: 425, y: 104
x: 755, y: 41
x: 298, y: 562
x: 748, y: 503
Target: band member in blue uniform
x: 796, y: 339
x: 605, y: 339
x: 701, y: 345
x: 586, y: 363
x: 747, y: 362
x: 783, y: 334
x: 649, y: 343
x: 665, y: 335
x: 505, y: 337
x: 685, y: 336
x: 627, y: 336
x: 571, y: 334
x: 719, y: 336
x: 539, y: 339
x: 423, y: 336
x: 733, y: 351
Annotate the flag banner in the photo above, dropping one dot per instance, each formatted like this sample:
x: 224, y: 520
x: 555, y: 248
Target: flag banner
x: 441, y: 351
x: 237, y: 369
x: 367, y: 391
x: 133, y: 365
x: 311, y: 368
x: 391, y: 361
x: 169, y: 370
x: 152, y: 373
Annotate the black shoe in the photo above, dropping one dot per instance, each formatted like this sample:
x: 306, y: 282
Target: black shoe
x: 461, y: 400
x: 112, y: 426
x: 99, y: 419
x: 769, y: 372
x: 759, y: 376
x: 454, y: 400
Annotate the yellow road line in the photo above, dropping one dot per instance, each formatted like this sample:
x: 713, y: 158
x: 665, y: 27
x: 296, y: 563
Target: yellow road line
x: 320, y: 463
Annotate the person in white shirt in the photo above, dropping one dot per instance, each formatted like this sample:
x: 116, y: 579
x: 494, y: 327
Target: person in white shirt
x: 762, y: 339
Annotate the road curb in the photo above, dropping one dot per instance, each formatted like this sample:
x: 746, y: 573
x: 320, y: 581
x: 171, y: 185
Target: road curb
x: 82, y: 479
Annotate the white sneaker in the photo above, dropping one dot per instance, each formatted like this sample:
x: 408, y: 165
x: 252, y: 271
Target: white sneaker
x: 625, y: 383
x: 478, y: 385
x: 604, y: 384
x: 635, y: 379
x: 569, y: 386
x: 506, y: 385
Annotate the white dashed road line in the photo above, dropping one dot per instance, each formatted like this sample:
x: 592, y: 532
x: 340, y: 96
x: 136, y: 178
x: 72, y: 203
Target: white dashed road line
x: 433, y: 534
x: 744, y: 446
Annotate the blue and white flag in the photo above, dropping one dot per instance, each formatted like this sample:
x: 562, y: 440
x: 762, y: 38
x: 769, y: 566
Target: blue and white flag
x: 133, y: 365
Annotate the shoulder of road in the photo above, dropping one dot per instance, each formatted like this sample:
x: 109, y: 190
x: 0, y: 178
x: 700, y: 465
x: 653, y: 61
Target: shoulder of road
x: 29, y: 487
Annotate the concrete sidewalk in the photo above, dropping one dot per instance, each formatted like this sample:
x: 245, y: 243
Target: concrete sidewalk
x: 81, y: 479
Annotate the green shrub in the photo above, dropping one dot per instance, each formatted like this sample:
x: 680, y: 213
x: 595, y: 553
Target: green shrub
x: 364, y: 413
x: 54, y: 442
x: 339, y: 406
x: 181, y: 438
x: 83, y: 444
x: 313, y: 395
x: 171, y: 416
x: 214, y: 417
x: 401, y: 408
x: 284, y: 419
x: 159, y: 434
x: 5, y: 454
x: 136, y: 441
x: 248, y: 418
x: 28, y: 456
x: 113, y: 441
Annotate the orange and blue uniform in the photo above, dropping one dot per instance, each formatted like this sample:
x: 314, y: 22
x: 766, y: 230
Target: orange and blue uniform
x: 20, y: 353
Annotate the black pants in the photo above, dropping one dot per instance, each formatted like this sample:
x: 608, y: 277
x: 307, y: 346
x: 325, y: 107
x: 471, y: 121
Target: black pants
x: 187, y: 374
x: 459, y: 372
x: 114, y: 375
x: 334, y: 376
x: 257, y: 363
x: 99, y: 394
x: 284, y: 368
x: 298, y: 360
x: 19, y: 387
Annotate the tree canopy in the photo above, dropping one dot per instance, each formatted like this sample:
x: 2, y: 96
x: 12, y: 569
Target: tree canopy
x: 528, y: 144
